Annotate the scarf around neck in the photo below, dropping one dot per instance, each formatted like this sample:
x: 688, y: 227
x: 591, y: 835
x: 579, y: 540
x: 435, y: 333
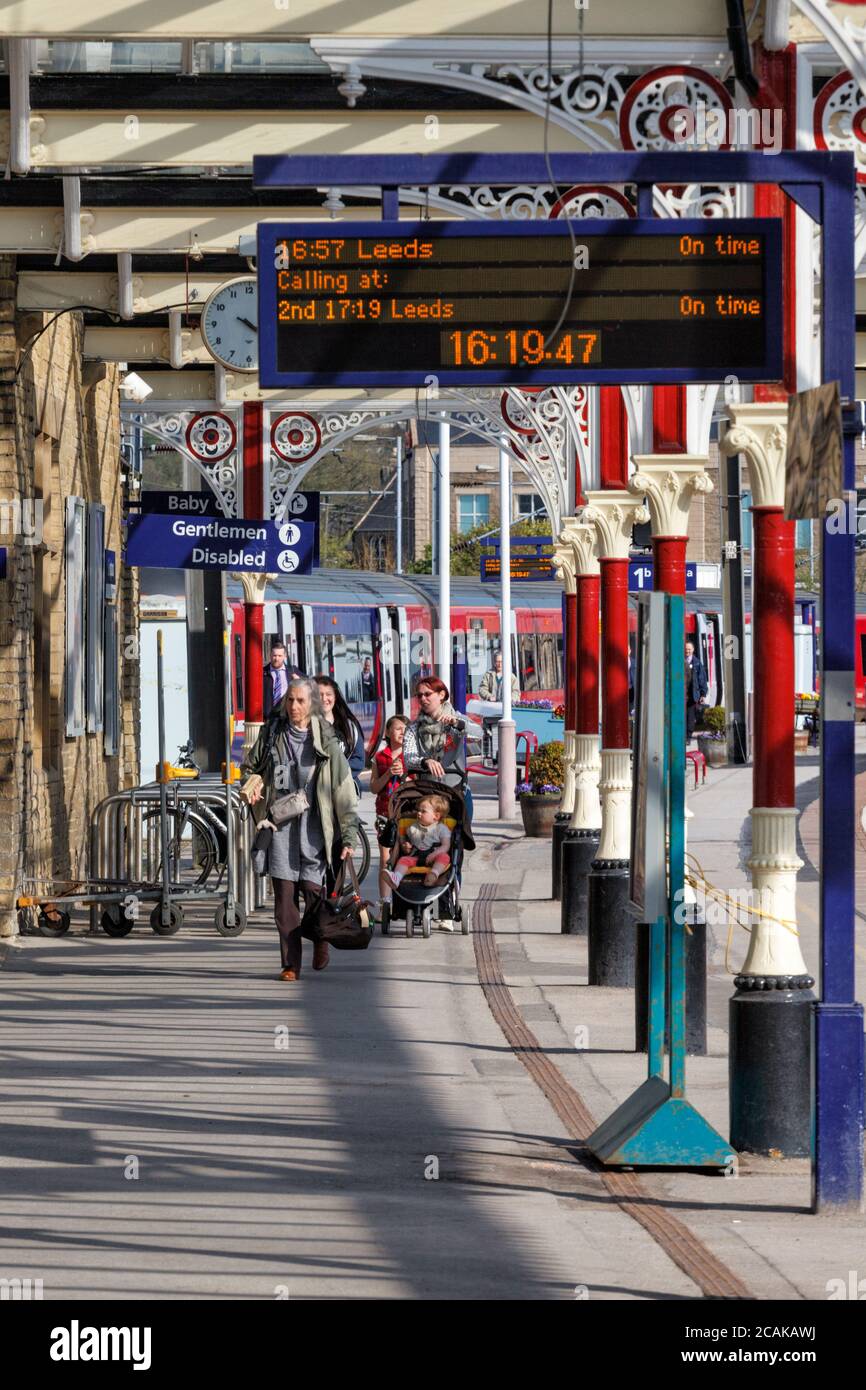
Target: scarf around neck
x: 433, y: 735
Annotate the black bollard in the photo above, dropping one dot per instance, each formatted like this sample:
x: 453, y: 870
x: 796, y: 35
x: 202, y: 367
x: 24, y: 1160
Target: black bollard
x: 611, y: 925
x: 696, y: 985
x: 578, y: 851
x: 560, y: 825
x: 770, y: 1065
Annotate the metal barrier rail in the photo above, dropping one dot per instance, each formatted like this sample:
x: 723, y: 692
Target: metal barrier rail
x: 125, y: 843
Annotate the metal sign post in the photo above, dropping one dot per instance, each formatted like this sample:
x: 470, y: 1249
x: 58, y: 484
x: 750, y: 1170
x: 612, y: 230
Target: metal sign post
x: 656, y: 1126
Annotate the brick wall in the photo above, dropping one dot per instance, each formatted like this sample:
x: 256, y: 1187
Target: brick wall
x: 59, y: 436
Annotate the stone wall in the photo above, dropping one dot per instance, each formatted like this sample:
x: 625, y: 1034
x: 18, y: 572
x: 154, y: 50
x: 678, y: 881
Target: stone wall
x: 59, y: 437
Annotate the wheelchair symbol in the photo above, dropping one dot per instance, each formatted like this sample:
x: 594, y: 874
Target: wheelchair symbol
x: 287, y: 561
x: 289, y: 534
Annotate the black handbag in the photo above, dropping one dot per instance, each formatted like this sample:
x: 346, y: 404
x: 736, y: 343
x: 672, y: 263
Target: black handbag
x: 386, y: 832
x: 339, y: 917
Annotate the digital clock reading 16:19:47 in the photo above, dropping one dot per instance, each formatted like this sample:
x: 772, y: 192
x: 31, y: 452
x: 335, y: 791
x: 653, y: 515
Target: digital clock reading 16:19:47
x: 525, y: 347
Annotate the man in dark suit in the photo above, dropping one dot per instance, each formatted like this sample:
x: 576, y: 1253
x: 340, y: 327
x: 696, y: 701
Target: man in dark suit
x: 275, y: 678
x: 696, y: 688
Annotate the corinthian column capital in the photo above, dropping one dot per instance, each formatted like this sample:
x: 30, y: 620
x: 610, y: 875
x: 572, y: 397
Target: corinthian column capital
x: 253, y: 585
x: 584, y: 545
x: 613, y: 513
x: 668, y: 482
x: 563, y: 562
x: 760, y: 431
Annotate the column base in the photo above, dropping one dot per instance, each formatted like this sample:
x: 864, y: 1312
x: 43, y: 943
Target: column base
x: 560, y: 826
x: 578, y: 852
x: 696, y: 985
x: 770, y: 1065
x: 611, y: 925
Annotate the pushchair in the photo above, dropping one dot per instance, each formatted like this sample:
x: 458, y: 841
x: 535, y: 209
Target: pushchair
x: 415, y: 902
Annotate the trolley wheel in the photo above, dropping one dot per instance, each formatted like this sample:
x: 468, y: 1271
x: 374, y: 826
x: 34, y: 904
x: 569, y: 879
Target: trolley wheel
x: 426, y: 922
x: 175, y: 923
x: 410, y: 921
x: 386, y: 919
x: 114, y: 923
x: 55, y: 925
x: 226, y: 928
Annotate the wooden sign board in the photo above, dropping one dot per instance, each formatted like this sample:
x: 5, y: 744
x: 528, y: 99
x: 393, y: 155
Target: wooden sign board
x: 813, y: 464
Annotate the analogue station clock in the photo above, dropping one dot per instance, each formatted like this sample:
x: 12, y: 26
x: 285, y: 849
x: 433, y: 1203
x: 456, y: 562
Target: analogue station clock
x: 229, y: 324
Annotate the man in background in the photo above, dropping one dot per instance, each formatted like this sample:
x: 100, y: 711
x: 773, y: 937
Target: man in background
x: 696, y: 689
x: 491, y: 683
x: 275, y: 678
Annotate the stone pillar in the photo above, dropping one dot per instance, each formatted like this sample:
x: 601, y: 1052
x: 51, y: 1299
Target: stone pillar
x: 668, y: 482
x: 611, y: 928
x: 580, y: 845
x: 770, y: 1057
x: 563, y: 560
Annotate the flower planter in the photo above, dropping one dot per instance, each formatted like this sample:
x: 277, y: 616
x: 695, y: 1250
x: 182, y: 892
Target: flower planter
x: 538, y: 812
x: 715, y: 751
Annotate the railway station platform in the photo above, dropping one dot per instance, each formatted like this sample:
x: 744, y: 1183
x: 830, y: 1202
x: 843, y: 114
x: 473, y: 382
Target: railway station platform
x: 407, y: 1124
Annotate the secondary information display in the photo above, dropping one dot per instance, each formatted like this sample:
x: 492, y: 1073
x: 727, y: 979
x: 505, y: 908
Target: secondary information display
x: 399, y: 303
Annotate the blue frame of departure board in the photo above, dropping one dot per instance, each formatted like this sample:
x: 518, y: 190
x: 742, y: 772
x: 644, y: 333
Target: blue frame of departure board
x: 770, y: 368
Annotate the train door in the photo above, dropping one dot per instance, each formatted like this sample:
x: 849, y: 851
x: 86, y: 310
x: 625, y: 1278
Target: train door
x: 400, y: 657
x: 306, y: 656
x: 287, y: 628
x: 709, y: 650
x: 387, y: 684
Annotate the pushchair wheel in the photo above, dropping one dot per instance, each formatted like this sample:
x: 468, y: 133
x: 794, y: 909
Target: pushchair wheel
x: 410, y: 921
x: 427, y: 922
x: 460, y: 916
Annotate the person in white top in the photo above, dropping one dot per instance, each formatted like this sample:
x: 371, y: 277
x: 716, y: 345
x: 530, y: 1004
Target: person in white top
x: 427, y: 841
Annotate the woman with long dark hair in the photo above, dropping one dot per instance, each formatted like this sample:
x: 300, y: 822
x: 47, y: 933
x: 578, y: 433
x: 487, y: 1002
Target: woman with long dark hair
x: 344, y: 724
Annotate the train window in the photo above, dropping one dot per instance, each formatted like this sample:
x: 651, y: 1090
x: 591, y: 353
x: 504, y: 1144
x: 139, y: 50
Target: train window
x: 354, y: 666
x: 528, y: 661
x: 419, y: 657
x: 548, y: 661
x: 239, y: 672
x: 323, y: 655
x: 479, y: 654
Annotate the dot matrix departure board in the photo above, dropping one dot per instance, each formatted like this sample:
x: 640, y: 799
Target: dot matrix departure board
x: 399, y: 303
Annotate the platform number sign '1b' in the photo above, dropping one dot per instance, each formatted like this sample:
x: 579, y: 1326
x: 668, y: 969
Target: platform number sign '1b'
x: 391, y: 303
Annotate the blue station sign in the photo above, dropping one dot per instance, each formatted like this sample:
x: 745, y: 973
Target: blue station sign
x: 216, y: 543
x: 301, y: 506
x: 641, y: 576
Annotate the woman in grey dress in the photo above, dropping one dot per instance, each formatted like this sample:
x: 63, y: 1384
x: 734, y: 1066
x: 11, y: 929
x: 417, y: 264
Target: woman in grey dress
x: 297, y: 751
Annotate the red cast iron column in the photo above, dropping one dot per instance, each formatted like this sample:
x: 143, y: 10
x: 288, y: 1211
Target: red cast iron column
x: 254, y: 613
x: 614, y: 681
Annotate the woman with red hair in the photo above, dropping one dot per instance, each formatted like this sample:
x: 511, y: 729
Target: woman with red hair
x: 433, y: 742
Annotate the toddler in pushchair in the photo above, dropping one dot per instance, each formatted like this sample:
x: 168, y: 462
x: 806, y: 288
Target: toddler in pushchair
x: 426, y: 880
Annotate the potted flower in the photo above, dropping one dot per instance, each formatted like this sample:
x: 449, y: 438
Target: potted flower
x: 713, y: 737
x: 540, y: 797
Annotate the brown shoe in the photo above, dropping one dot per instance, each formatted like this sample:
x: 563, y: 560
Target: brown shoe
x: 321, y: 955
x: 290, y: 975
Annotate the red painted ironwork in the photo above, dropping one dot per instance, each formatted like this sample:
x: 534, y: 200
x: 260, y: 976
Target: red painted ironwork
x: 669, y: 419
x: 614, y: 621
x: 586, y: 715
x: 670, y: 564
x: 614, y: 438
x: 773, y: 657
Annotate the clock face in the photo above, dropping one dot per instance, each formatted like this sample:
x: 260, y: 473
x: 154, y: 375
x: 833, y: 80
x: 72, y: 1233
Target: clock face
x: 230, y: 324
